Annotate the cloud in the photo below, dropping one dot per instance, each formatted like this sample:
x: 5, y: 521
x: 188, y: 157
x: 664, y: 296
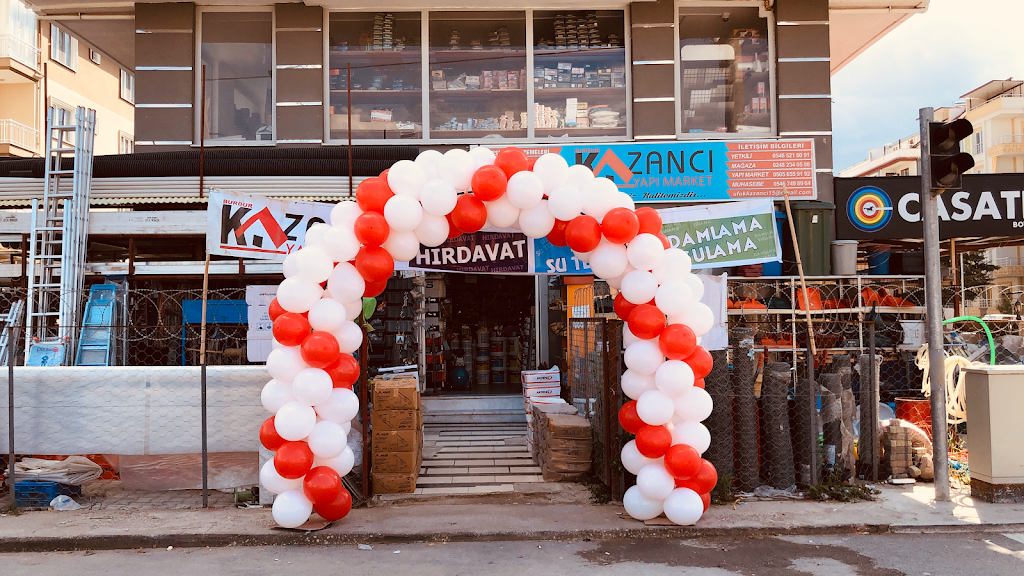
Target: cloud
x: 930, y: 60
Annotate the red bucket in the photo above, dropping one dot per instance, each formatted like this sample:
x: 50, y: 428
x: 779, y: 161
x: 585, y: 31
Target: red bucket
x: 917, y: 411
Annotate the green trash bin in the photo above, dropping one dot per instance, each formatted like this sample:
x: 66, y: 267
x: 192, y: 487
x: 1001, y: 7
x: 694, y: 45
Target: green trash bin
x: 813, y: 222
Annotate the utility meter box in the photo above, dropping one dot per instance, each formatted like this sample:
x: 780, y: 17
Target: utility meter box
x: 995, y: 403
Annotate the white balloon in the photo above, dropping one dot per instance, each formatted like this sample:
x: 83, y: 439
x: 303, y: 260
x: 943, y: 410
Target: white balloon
x: 692, y: 434
x: 284, y: 363
x: 403, y: 246
x: 481, y: 157
x: 623, y: 200
x: 565, y: 202
x: 501, y: 212
x: 655, y: 408
x: 639, y: 506
x: 274, y: 482
x: 675, y: 265
x: 439, y: 197
x: 697, y: 316
x: 639, y: 286
x: 578, y: 176
x: 628, y: 337
x: 583, y: 256
x: 673, y: 378
x: 295, y: 420
x: 609, y: 260
x: 537, y: 222
x: 276, y: 394
x: 292, y: 509
x: 312, y: 386
x: 633, y: 460
x: 353, y: 310
x: 634, y: 384
x: 327, y: 440
x: 341, y: 242
x: 553, y: 171
x: 599, y: 196
x: 350, y: 337
x: 429, y: 161
x: 673, y: 297
x: 696, y: 286
x: 645, y: 251
x: 432, y: 231
x: 457, y: 168
x: 644, y: 357
x: 297, y: 295
x: 683, y: 507
x: 403, y: 213
x: 315, y: 234
x: 617, y: 281
x: 274, y: 344
x: 327, y: 315
x: 344, y: 214
x: 347, y: 427
x: 342, y: 463
x: 290, y: 266
x: 342, y: 406
x: 694, y: 405
x: 346, y: 284
x: 313, y: 264
x: 655, y: 482
x: 525, y: 190
x: 406, y: 178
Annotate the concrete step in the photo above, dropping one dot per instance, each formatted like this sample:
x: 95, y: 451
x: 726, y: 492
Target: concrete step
x: 489, y: 409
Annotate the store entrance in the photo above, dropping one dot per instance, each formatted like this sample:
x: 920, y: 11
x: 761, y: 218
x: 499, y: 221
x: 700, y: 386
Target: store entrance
x: 486, y: 323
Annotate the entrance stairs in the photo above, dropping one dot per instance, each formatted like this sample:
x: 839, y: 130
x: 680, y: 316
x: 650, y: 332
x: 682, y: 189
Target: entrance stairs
x: 482, y: 409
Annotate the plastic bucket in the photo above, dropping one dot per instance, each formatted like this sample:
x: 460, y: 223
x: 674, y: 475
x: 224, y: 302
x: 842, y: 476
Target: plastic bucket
x: 878, y: 263
x: 844, y: 257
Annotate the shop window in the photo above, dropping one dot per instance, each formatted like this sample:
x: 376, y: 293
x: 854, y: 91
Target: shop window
x: 384, y: 51
x: 63, y: 48
x: 127, y: 86
x: 725, y: 62
x: 478, y: 75
x: 579, y: 73
x: 237, y: 51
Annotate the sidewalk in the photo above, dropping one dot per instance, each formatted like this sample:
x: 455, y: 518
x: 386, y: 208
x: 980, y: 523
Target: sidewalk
x: 505, y: 517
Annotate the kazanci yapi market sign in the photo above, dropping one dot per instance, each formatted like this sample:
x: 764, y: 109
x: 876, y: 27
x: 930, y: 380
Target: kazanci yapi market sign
x: 890, y: 207
x: 699, y: 171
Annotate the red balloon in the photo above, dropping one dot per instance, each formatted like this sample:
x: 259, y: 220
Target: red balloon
x: 453, y: 230
x: 293, y: 460
x: 653, y: 441
x: 557, y: 234
x: 372, y: 194
x: 384, y: 180
x: 374, y: 263
x: 700, y: 361
x: 344, y: 371
x: 321, y: 485
x: 291, y: 329
x: 650, y: 220
x: 469, y: 214
x: 682, y: 461
x: 337, y: 509
x: 628, y: 418
x: 489, y: 183
x: 511, y: 160
x: 698, y: 383
x: 623, y: 308
x: 371, y: 228
x: 583, y: 233
x: 706, y: 498
x: 664, y: 240
x: 620, y: 225
x: 320, y: 349
x: 702, y: 481
x: 677, y: 341
x: 275, y: 309
x: 269, y: 437
x: 374, y: 288
x: 646, y: 321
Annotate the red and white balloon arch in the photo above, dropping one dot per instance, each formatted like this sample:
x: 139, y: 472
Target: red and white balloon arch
x: 441, y: 196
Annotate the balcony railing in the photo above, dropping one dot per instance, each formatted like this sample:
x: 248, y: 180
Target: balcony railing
x: 19, y: 135
x: 18, y: 49
x: 1009, y: 261
x: 1011, y: 139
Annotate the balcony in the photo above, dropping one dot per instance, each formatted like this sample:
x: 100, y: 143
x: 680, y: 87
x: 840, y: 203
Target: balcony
x: 1007, y: 144
x: 19, y: 57
x: 17, y: 139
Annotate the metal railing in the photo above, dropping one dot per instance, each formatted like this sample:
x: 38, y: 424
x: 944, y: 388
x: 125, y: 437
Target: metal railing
x: 18, y: 49
x: 1011, y: 139
x: 18, y: 134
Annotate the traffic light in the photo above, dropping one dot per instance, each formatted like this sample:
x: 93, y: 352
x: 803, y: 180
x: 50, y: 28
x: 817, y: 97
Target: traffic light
x: 948, y: 163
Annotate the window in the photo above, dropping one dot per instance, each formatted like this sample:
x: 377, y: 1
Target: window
x: 95, y: 57
x: 725, y: 62
x: 21, y: 39
x: 127, y: 86
x: 237, y: 50
x: 905, y: 172
x: 63, y: 115
x: 979, y: 143
x: 63, y: 48
x: 125, y: 143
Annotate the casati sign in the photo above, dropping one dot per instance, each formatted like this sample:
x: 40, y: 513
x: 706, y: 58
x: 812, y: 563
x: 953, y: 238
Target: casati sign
x: 890, y: 207
x: 248, y: 226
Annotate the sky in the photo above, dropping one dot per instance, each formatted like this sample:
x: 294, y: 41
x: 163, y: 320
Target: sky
x: 929, y: 60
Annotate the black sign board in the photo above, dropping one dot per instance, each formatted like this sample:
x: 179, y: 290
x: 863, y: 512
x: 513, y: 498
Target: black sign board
x: 889, y: 208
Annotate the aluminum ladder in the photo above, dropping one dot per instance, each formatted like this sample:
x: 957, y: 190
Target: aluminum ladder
x: 59, y: 229
x: 11, y: 321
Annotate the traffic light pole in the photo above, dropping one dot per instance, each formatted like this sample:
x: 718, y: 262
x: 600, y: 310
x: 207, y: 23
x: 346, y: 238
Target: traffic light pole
x: 933, y: 314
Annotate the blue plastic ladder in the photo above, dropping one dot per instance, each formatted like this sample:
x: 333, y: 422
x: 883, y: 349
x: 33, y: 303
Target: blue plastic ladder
x: 97, y: 327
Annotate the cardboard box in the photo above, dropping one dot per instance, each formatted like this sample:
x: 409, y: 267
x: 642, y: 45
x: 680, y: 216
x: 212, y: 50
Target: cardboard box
x: 567, y: 426
x: 395, y: 462
x: 398, y: 393
x: 542, y: 390
x: 384, y: 483
x: 397, y: 440
x: 383, y: 420
x: 541, y: 376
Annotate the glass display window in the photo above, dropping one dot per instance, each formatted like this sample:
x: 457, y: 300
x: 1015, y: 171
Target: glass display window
x: 725, y: 67
x: 478, y: 75
x: 384, y: 50
x: 579, y: 73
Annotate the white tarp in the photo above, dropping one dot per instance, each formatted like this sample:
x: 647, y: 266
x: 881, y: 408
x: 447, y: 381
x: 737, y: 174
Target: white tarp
x: 715, y: 294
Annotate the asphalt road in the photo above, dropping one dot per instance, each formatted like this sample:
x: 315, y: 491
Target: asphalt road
x: 980, y: 554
